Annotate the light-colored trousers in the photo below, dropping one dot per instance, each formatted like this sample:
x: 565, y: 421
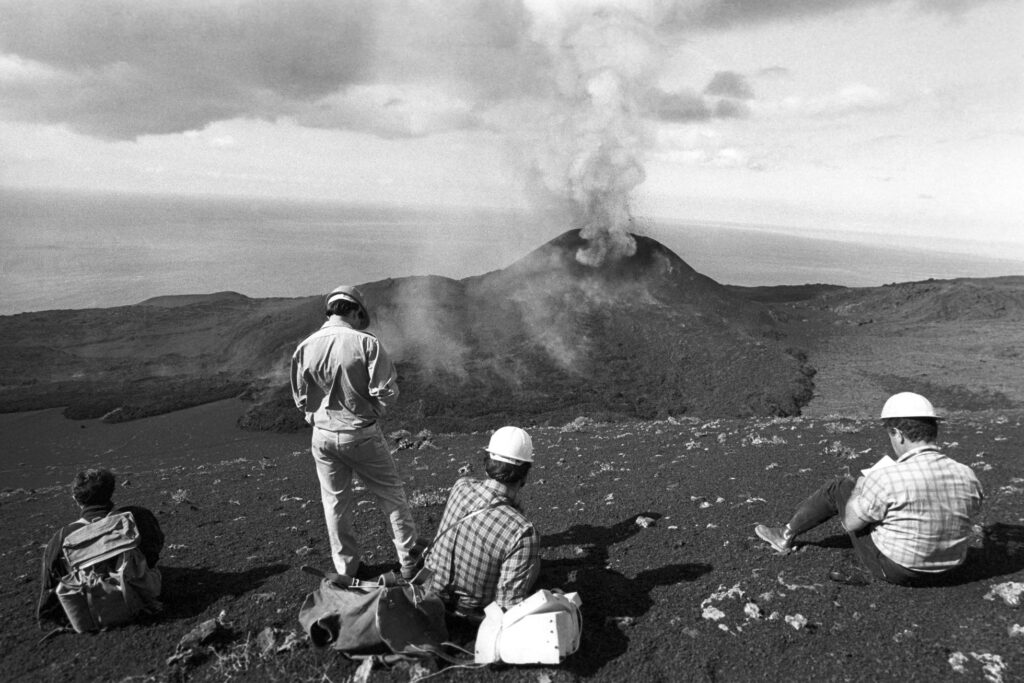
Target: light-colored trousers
x: 340, y: 454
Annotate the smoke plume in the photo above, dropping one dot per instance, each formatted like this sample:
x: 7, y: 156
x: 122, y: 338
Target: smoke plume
x: 602, y: 65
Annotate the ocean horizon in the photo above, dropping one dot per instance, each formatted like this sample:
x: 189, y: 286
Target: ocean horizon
x: 66, y: 250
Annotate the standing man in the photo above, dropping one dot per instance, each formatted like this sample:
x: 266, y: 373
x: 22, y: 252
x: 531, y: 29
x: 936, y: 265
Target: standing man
x: 910, y: 519
x: 486, y: 549
x: 343, y: 380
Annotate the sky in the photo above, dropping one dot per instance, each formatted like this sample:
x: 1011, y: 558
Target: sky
x: 867, y: 118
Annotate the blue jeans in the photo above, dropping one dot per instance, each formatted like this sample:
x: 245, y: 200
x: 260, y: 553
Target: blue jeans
x: 829, y: 501
x: 364, y: 452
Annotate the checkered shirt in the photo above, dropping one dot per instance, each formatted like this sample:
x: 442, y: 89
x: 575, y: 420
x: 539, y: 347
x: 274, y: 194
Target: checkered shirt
x: 492, y: 556
x: 922, y: 509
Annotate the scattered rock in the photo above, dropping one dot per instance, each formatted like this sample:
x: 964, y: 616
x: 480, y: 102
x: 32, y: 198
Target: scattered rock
x: 266, y: 641
x: 797, y: 621
x: 196, y: 645
x: 644, y: 522
x: 905, y: 634
x: 1010, y: 592
x: 713, y: 613
x: 291, y: 642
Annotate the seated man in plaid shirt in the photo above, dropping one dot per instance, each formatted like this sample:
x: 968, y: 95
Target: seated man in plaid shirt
x: 910, y: 519
x: 486, y: 550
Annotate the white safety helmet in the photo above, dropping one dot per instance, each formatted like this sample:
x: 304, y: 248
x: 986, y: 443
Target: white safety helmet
x: 908, y: 404
x: 512, y: 445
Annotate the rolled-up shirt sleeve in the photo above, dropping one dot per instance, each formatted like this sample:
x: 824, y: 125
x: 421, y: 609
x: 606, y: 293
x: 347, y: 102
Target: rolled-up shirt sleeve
x: 868, y: 501
x: 298, y: 381
x: 519, y: 570
x: 383, y: 384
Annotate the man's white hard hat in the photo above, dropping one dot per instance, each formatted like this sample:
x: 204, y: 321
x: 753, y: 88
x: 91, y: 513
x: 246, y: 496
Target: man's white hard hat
x: 908, y: 404
x: 512, y: 445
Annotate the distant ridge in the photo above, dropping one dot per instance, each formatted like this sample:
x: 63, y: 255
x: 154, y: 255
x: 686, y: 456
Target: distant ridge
x: 175, y: 300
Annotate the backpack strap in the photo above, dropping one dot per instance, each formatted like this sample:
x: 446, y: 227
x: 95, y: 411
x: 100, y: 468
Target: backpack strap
x: 496, y: 504
x: 451, y: 564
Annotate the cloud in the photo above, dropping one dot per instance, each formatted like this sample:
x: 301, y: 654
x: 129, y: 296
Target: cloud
x: 720, y: 14
x: 852, y: 98
x: 731, y: 109
x: 724, y: 97
x: 729, y: 84
x: 774, y: 72
x: 389, y: 111
x: 125, y: 68
x: 681, y: 107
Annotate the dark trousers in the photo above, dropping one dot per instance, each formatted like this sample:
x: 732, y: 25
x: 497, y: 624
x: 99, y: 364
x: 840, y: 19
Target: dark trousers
x: 830, y: 500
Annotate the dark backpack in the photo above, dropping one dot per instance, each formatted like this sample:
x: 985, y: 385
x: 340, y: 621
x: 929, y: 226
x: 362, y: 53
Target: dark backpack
x: 110, y: 582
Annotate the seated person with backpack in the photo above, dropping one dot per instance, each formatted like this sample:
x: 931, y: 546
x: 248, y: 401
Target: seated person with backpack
x: 112, y: 552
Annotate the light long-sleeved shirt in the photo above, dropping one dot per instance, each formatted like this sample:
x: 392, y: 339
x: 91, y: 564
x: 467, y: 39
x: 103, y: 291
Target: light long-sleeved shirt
x: 342, y: 378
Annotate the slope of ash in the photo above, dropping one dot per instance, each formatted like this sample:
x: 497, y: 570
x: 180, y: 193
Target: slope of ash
x: 549, y: 339
x: 959, y: 342
x: 688, y: 594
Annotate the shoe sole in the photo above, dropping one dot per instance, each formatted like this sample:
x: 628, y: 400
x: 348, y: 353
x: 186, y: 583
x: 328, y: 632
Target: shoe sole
x: 782, y: 550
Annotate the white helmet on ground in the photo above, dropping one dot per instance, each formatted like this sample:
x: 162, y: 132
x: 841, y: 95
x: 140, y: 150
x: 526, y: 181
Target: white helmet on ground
x: 908, y: 404
x: 512, y: 445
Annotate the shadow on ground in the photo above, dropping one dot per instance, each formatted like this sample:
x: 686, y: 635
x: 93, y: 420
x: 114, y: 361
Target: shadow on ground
x: 616, y: 601
x: 1001, y: 553
x: 188, y: 591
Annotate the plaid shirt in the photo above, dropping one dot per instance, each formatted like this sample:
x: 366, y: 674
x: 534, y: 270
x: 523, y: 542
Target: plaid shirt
x: 921, y: 508
x: 492, y: 556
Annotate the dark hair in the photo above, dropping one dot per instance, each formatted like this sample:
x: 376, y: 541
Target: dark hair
x: 93, y: 487
x: 916, y: 429
x: 505, y: 472
x: 343, y: 307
